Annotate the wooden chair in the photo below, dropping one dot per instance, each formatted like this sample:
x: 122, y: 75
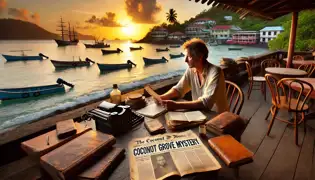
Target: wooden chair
x: 252, y: 79
x: 298, y: 58
x: 269, y: 63
x: 235, y: 97
x: 284, y: 97
x: 309, y: 68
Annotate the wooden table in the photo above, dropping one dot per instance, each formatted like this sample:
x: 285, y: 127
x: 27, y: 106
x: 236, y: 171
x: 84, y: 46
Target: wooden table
x: 286, y: 72
x: 309, y: 80
x: 298, y: 63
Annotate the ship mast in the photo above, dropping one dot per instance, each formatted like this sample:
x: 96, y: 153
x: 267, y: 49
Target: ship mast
x: 62, y: 26
x: 74, y: 38
x: 69, y: 32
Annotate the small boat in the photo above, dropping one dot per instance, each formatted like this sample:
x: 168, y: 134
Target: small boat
x: 112, y: 67
x: 97, y: 45
x: 174, y: 46
x: 215, y: 43
x: 135, y: 48
x: 10, y: 58
x: 35, y: 91
x: 111, y: 51
x: 172, y: 56
x: 68, y: 64
x: 148, y: 61
x: 235, y: 49
x: 160, y: 50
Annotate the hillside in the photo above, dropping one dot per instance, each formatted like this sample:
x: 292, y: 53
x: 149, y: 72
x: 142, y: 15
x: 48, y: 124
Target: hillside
x: 12, y: 29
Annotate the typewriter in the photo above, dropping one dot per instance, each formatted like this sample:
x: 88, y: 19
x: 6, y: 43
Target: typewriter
x: 114, y: 119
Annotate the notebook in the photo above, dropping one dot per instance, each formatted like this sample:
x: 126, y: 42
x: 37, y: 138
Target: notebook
x: 190, y: 116
x: 152, y: 110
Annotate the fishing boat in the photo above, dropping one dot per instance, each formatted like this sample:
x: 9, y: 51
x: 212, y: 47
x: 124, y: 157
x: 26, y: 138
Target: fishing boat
x: 235, y: 49
x: 24, y: 57
x: 148, y: 61
x: 174, y: 46
x: 160, y: 50
x: 69, y: 64
x: 97, y: 44
x: 73, y: 40
x: 111, y: 51
x: 135, y: 48
x: 34, y: 91
x: 112, y: 67
x: 172, y: 56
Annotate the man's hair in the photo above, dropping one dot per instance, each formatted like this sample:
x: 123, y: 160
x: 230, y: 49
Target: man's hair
x: 197, y: 48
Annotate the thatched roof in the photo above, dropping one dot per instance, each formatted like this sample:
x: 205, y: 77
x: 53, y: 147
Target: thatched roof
x: 266, y: 9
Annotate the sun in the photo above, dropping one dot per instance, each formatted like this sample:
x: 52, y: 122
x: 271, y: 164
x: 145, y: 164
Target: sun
x: 128, y: 29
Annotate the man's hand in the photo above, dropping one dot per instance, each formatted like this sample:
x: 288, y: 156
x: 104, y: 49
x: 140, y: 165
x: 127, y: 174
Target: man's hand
x: 158, y: 100
x: 170, y: 105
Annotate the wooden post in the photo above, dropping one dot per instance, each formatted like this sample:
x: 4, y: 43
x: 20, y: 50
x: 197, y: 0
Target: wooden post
x: 294, y: 22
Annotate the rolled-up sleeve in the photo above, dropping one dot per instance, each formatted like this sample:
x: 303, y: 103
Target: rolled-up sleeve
x: 183, y: 86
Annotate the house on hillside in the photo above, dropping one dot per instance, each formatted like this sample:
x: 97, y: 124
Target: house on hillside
x: 270, y: 32
x: 159, y: 33
x: 245, y: 37
x: 198, y: 31
x: 176, y: 36
x: 223, y: 32
x: 205, y: 21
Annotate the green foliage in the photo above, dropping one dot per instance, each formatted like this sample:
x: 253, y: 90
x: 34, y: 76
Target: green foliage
x: 305, y: 38
x: 171, y: 16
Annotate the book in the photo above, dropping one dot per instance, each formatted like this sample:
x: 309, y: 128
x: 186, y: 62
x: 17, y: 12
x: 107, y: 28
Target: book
x: 65, y: 128
x: 73, y: 157
x: 152, y: 110
x: 104, y: 166
x: 190, y: 116
x: 231, y: 151
x: 154, y: 126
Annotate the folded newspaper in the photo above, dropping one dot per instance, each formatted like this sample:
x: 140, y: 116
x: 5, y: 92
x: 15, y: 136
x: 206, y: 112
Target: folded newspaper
x: 172, y: 154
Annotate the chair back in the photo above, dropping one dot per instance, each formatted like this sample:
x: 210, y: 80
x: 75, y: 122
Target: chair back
x: 235, y: 96
x: 309, y: 68
x: 269, y: 63
x: 249, y: 71
x: 298, y: 58
x: 272, y: 84
x: 298, y: 92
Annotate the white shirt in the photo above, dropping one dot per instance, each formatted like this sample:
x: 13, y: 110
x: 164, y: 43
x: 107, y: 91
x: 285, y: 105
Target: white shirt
x: 211, y: 92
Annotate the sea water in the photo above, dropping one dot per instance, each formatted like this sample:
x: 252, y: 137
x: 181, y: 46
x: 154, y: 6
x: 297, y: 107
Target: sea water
x: 89, y: 82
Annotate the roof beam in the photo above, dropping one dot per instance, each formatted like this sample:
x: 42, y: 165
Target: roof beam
x: 252, y: 2
x: 275, y: 4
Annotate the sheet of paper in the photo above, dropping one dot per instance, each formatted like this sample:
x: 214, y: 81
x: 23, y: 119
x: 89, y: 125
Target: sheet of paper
x: 152, y: 110
x: 176, y: 116
x: 195, y: 116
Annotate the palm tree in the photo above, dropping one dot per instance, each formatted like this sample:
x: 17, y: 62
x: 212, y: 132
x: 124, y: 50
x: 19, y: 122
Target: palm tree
x: 171, y: 16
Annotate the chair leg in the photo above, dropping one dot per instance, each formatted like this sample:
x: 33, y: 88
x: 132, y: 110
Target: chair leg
x: 264, y: 90
x: 236, y: 172
x: 266, y: 118
x: 272, y: 120
x: 250, y: 87
x: 296, y: 134
x: 304, y: 120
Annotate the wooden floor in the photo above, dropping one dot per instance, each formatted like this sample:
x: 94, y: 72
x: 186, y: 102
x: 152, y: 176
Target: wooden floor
x: 276, y: 156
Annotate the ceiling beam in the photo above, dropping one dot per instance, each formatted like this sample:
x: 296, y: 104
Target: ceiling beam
x: 275, y: 4
x: 252, y: 2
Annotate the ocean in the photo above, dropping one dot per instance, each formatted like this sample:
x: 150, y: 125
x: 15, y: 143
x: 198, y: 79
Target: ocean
x: 89, y: 82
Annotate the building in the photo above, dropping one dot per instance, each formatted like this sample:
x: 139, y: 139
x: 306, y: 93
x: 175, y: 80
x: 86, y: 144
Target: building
x: 228, y: 18
x: 176, y: 36
x: 204, y: 21
x: 270, y: 32
x: 197, y: 31
x: 159, y: 33
x: 224, y: 32
x: 245, y: 37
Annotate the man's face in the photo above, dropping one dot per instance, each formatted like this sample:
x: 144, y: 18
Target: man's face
x: 191, y: 60
x: 160, y: 160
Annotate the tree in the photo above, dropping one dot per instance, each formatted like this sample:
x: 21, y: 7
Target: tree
x: 171, y: 16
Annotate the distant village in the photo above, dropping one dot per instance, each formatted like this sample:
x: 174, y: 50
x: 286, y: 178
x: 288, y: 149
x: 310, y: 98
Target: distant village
x: 207, y: 30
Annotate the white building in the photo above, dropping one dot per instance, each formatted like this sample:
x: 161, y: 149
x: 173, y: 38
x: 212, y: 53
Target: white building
x: 159, y: 33
x: 204, y: 21
x: 197, y: 31
x: 270, y: 32
x: 224, y: 32
x: 176, y: 36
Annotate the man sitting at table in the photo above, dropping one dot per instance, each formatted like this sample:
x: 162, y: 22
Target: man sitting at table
x: 204, y: 80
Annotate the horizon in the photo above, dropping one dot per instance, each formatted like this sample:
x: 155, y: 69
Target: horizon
x: 124, y: 19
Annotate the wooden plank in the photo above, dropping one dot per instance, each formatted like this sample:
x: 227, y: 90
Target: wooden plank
x: 283, y: 162
x: 17, y: 167
x: 304, y: 166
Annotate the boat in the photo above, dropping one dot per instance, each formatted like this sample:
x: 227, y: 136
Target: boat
x: 172, y: 56
x: 235, y: 49
x: 68, y: 64
x: 112, y: 67
x: 174, y: 46
x: 135, y: 48
x: 215, y: 43
x: 34, y: 91
x: 148, y: 61
x: 160, y: 50
x: 73, y: 40
x: 23, y: 57
x: 97, y: 44
x: 111, y: 51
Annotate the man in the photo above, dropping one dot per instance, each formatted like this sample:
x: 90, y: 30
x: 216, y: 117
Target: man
x: 204, y: 80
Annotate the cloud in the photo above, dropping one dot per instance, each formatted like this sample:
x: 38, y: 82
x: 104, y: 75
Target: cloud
x: 109, y: 20
x: 3, y: 5
x: 143, y: 11
x: 35, y: 17
x: 22, y: 13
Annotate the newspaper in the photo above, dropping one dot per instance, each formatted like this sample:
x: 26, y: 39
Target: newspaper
x: 161, y: 156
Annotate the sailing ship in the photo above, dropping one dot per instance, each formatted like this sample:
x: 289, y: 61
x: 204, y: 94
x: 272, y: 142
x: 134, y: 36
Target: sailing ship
x: 73, y: 40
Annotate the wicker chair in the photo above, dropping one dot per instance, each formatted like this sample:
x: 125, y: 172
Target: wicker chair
x: 235, y: 96
x: 309, y: 68
x: 289, y: 100
x: 252, y: 79
x: 298, y: 58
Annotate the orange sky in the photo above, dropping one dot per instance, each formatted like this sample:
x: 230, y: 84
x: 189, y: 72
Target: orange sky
x: 124, y: 19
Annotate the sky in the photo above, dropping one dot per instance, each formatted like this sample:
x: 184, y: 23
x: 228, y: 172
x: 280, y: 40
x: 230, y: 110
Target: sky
x: 110, y: 19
